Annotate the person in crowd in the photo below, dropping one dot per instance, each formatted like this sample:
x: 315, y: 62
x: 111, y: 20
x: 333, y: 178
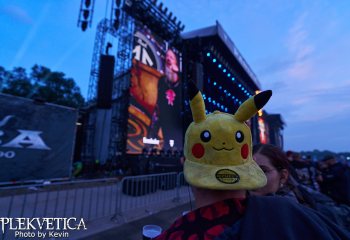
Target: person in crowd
x: 305, y: 172
x: 220, y: 169
x: 275, y: 165
x: 336, y: 180
x: 289, y: 155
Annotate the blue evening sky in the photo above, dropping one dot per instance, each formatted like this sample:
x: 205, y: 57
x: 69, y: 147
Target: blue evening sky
x: 299, y: 49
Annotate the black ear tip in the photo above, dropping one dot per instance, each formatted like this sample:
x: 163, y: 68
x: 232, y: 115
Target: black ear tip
x: 262, y: 98
x: 268, y: 93
x: 192, y: 89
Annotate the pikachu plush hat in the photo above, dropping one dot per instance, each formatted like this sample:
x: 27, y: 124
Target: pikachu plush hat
x: 218, y: 146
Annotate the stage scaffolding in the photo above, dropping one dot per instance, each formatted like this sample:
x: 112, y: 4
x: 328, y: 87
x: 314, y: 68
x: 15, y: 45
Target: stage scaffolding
x: 115, y: 119
x: 105, y: 130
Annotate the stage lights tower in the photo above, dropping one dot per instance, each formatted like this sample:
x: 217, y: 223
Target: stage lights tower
x: 86, y: 13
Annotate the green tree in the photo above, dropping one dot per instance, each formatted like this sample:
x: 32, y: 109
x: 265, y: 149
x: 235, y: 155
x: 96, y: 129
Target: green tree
x: 17, y: 83
x: 44, y: 84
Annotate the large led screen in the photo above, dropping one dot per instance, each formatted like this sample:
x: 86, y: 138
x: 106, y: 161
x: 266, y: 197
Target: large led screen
x: 155, y: 108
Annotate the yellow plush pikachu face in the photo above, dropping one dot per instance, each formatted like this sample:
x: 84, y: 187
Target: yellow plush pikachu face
x: 219, y: 140
x: 218, y: 146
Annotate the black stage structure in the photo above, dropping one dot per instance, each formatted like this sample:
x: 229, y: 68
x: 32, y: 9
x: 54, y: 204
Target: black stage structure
x: 137, y: 109
x: 225, y: 78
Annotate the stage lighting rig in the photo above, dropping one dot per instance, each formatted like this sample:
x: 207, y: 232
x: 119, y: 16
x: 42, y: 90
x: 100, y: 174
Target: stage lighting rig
x: 85, y: 14
x: 115, y: 14
x: 163, y: 24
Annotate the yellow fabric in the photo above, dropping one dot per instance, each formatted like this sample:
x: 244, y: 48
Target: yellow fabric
x: 197, y: 103
x: 222, y: 162
x: 246, y: 110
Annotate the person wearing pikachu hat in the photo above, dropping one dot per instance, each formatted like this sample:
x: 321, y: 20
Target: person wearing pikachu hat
x: 220, y: 169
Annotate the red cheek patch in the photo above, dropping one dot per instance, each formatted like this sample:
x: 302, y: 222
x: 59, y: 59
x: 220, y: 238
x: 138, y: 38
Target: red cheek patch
x: 244, y: 151
x: 198, y: 150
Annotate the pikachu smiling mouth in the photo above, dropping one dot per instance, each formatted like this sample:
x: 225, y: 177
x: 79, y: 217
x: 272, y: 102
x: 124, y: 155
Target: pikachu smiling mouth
x: 220, y: 149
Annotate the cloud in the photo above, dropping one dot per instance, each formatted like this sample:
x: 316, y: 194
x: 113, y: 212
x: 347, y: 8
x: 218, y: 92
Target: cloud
x: 17, y: 13
x: 297, y: 63
x: 314, y: 104
x: 30, y: 36
x: 300, y: 50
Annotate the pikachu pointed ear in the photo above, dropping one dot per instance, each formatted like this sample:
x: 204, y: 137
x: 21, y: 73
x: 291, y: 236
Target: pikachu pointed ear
x: 251, y: 106
x: 196, y: 103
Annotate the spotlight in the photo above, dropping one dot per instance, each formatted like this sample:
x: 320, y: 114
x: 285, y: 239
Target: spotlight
x: 86, y: 14
x: 116, y: 23
x: 84, y: 25
x: 174, y: 19
x: 87, y: 3
x: 117, y: 13
x: 239, y: 85
x: 219, y: 65
x: 232, y: 78
x: 208, y: 54
x: 224, y: 70
x: 214, y: 60
x: 229, y: 74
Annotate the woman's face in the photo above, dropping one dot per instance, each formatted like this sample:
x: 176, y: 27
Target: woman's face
x: 272, y: 174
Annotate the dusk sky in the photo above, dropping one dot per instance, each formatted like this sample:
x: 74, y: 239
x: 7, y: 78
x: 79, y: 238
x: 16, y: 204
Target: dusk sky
x: 298, y: 49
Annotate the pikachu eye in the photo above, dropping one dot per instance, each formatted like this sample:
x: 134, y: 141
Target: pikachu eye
x: 239, y: 136
x: 205, y: 136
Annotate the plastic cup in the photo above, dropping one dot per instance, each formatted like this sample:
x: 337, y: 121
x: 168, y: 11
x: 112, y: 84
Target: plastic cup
x: 151, y: 231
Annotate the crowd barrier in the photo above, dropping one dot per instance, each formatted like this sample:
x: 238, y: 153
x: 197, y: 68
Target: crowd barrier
x: 131, y: 198
x: 150, y: 193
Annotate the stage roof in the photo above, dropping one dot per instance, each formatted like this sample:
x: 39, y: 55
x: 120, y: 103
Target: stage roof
x: 218, y: 32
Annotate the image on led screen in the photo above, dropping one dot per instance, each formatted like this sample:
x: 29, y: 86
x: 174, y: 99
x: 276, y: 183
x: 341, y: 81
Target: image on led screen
x: 155, y: 104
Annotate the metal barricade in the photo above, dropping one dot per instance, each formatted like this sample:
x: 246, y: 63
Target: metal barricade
x: 183, y: 190
x: 139, y: 196
x: 145, y: 194
x: 132, y: 198
x: 90, y: 200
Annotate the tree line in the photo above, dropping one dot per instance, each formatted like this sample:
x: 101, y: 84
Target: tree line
x: 41, y: 84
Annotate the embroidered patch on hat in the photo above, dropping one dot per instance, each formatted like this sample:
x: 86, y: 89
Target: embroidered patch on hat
x: 227, y: 176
